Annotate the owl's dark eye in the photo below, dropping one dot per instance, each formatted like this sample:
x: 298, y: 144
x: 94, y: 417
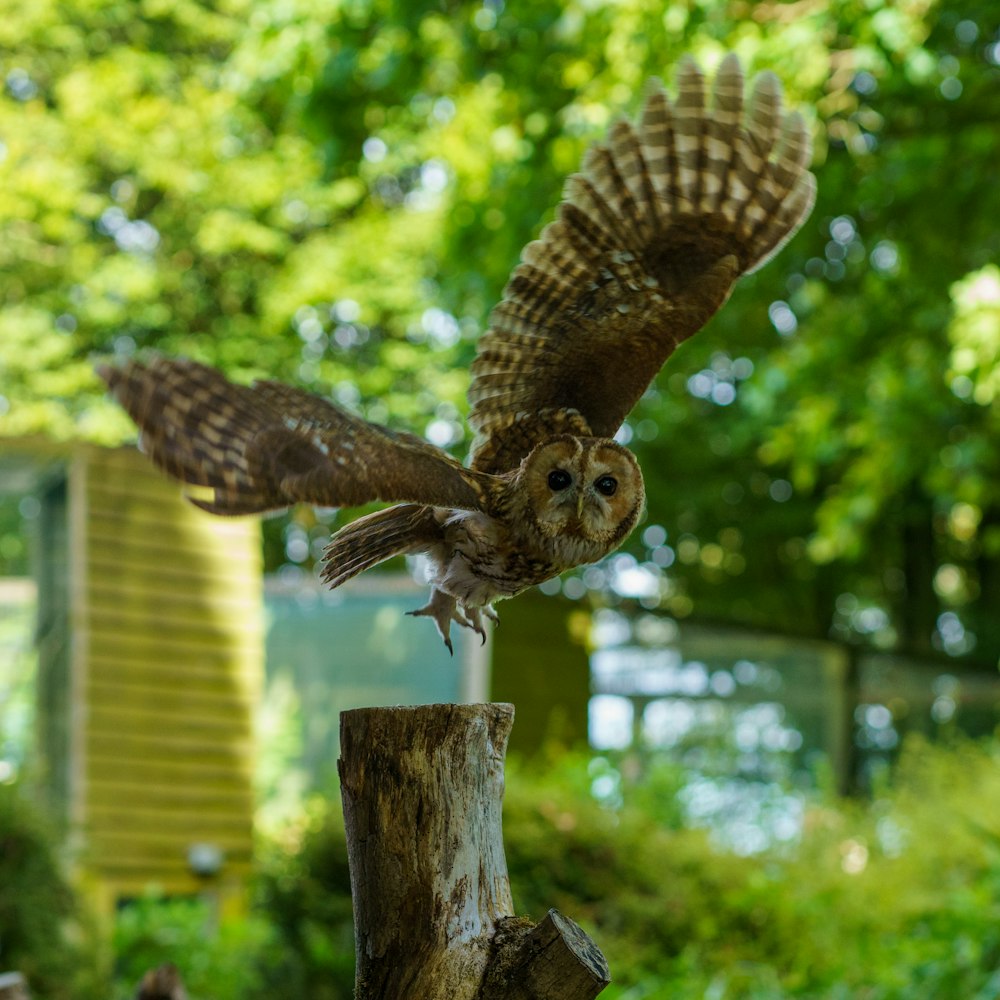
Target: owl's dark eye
x: 607, y: 485
x: 559, y: 479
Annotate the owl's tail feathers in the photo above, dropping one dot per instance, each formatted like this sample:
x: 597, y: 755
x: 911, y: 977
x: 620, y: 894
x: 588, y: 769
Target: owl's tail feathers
x: 376, y: 537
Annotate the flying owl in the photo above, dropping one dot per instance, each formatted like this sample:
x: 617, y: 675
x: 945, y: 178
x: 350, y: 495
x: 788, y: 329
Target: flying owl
x: 665, y: 215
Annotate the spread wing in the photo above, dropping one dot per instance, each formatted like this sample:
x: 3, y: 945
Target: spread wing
x: 665, y: 216
x: 268, y: 446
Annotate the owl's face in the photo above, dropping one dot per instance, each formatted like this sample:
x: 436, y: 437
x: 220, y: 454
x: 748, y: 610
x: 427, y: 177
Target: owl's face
x: 587, y: 489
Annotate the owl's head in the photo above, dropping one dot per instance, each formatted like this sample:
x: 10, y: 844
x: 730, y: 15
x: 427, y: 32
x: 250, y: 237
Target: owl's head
x: 585, y: 490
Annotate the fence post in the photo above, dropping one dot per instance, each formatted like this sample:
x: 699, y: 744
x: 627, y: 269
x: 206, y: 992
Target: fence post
x: 422, y: 789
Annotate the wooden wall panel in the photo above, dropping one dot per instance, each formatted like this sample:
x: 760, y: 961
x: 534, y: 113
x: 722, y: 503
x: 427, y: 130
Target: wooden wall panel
x: 169, y: 626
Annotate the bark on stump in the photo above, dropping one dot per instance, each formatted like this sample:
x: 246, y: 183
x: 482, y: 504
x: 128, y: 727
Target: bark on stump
x: 422, y: 789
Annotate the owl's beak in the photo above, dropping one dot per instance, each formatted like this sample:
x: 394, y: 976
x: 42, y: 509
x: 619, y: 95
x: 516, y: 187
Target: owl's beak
x: 579, y: 506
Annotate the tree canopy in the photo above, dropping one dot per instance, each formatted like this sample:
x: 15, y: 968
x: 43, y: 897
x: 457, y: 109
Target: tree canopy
x: 334, y: 194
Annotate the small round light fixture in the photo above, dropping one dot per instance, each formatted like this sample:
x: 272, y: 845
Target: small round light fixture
x: 205, y: 860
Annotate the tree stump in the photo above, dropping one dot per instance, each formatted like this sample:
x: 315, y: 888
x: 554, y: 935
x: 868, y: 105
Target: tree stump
x: 422, y: 789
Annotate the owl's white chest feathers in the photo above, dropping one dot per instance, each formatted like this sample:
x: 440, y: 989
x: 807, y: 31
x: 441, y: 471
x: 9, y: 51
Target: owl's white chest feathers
x: 480, y: 562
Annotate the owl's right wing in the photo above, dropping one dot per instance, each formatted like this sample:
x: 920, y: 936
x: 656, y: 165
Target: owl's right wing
x: 267, y: 446
x: 652, y: 235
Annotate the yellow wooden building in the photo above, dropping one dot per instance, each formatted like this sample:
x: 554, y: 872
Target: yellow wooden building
x: 151, y: 649
x: 150, y: 646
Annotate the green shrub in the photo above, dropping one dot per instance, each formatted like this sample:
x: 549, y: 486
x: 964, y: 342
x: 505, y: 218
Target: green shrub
x: 45, y: 932
x: 217, y: 961
x: 297, y: 943
x: 897, y: 898
x: 304, y: 889
x: 893, y: 899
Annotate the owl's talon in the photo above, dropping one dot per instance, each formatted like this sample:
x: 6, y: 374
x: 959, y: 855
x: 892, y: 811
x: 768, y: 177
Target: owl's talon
x: 479, y: 630
x: 474, y: 619
x: 442, y: 610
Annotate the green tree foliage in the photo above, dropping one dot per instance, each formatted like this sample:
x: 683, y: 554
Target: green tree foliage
x: 335, y: 193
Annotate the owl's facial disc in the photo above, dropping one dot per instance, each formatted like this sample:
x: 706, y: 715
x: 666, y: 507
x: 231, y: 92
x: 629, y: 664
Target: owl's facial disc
x: 551, y: 479
x: 586, y: 489
x: 612, y: 495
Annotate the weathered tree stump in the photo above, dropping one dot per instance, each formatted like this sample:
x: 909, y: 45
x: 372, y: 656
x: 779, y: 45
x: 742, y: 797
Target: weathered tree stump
x: 422, y: 790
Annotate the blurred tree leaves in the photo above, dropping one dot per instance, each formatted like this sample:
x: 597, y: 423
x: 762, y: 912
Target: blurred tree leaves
x: 335, y: 193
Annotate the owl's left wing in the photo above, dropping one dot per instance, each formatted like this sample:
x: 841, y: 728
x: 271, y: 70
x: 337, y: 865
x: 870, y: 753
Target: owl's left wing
x: 647, y: 245
x: 268, y: 446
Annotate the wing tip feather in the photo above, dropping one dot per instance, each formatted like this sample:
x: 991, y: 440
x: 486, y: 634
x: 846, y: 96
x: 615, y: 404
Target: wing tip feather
x: 729, y: 160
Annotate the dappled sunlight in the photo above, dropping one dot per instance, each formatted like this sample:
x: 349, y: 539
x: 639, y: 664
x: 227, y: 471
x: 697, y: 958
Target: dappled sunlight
x: 975, y: 336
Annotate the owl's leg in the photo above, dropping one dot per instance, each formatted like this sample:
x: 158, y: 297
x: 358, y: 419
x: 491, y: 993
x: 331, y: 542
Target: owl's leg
x: 442, y: 610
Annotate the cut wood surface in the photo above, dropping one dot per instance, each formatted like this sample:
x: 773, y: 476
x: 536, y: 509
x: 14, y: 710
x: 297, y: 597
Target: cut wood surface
x: 422, y: 790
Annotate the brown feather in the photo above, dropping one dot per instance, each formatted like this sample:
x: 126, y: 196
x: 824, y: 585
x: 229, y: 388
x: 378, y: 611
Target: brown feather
x: 376, y: 537
x: 267, y: 446
x: 647, y: 244
x: 653, y: 233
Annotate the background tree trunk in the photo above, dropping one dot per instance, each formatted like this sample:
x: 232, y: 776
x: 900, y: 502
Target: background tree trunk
x: 422, y: 790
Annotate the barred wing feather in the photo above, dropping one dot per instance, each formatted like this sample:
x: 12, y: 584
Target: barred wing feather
x: 652, y: 234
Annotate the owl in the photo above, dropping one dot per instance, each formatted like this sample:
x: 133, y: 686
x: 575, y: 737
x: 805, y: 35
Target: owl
x: 663, y: 218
